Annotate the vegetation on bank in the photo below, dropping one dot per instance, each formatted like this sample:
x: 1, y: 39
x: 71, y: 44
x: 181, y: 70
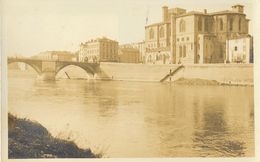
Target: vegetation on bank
x: 27, y: 139
x: 200, y: 82
x: 184, y: 81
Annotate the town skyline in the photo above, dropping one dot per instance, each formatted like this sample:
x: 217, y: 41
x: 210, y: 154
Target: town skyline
x: 66, y: 34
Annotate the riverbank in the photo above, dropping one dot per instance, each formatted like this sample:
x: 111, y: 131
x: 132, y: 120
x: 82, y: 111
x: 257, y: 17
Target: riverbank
x: 27, y: 139
x: 203, y: 82
x: 225, y: 74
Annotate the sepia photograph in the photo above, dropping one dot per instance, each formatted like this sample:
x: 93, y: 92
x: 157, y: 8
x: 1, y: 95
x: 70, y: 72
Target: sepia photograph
x: 109, y: 79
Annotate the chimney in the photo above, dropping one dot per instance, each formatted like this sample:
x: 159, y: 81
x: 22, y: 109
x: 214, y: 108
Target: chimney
x: 238, y: 8
x: 165, y: 13
x: 205, y: 11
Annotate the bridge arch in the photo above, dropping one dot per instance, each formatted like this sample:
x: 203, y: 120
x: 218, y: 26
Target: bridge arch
x: 34, y: 66
x: 86, y: 68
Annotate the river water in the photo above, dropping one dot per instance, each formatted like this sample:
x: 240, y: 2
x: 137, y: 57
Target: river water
x: 139, y: 119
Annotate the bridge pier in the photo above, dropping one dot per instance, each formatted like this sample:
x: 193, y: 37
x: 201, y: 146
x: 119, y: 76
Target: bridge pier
x: 47, y: 76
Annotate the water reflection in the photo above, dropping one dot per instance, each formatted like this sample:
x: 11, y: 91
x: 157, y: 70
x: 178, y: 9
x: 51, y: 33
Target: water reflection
x: 132, y: 119
x: 215, y: 135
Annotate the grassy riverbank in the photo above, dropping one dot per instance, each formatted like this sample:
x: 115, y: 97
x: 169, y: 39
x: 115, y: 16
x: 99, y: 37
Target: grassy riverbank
x: 27, y: 139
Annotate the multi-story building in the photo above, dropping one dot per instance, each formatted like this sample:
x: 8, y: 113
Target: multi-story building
x: 141, y: 48
x: 128, y: 55
x: 193, y: 37
x: 56, y: 55
x: 99, y: 50
x: 240, y: 50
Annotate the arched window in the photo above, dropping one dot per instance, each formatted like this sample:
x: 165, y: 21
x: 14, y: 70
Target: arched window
x: 200, y: 24
x: 149, y: 58
x: 161, y: 32
x: 180, y: 51
x: 239, y: 24
x: 184, y: 51
x: 157, y: 57
x: 182, y: 26
x: 221, y: 24
x: 231, y: 24
x: 160, y: 57
x: 206, y: 25
x: 151, y: 33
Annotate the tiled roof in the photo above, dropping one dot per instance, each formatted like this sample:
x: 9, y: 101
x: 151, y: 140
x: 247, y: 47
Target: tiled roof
x: 155, y: 24
x: 192, y: 13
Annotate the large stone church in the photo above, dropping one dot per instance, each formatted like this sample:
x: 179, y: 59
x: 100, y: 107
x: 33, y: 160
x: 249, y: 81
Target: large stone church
x: 194, y: 37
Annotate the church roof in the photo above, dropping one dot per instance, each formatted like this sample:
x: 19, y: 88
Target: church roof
x: 225, y: 12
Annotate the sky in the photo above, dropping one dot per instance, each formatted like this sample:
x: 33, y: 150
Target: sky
x: 33, y: 26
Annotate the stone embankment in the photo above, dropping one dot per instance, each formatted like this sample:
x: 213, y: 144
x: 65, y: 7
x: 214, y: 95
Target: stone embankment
x: 224, y: 74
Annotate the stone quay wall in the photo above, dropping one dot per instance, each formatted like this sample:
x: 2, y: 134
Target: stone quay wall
x: 242, y: 74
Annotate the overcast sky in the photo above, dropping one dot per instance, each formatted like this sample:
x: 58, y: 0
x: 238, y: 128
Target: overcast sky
x: 33, y: 26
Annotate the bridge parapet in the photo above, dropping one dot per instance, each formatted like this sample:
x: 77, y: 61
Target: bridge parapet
x: 47, y: 69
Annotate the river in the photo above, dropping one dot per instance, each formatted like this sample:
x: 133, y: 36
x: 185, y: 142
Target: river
x: 139, y: 119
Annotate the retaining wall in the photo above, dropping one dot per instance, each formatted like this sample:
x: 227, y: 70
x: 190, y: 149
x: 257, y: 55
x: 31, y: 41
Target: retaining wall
x: 223, y: 73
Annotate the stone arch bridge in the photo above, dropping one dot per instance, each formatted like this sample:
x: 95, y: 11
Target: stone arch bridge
x: 47, y: 69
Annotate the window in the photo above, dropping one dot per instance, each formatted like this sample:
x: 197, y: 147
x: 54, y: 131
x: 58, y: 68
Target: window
x: 151, y: 33
x: 156, y: 58
x: 220, y: 24
x: 231, y: 24
x: 180, y: 51
x: 235, y: 48
x: 239, y: 24
x: 178, y: 39
x: 187, y: 38
x: 149, y: 58
x: 160, y: 57
x: 206, y: 24
x: 184, y: 51
x: 182, y: 39
x: 182, y: 26
x: 161, y: 32
x: 200, y: 24
x: 191, y: 46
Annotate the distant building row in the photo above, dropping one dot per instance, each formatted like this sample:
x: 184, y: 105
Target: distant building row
x: 56, y: 55
x: 106, y: 50
x: 182, y: 37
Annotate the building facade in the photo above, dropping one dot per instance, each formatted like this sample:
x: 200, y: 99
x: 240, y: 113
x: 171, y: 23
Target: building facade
x: 56, y: 55
x: 240, y: 50
x: 128, y: 55
x: 193, y: 37
x: 99, y: 50
x: 140, y: 46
